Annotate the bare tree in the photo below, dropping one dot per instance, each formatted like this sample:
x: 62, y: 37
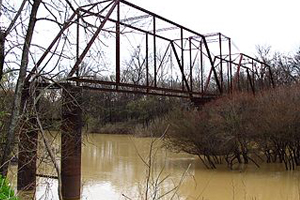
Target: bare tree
x: 4, y: 33
x: 10, y: 136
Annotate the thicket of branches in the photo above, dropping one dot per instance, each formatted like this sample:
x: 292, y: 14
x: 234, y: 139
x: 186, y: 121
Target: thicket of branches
x: 108, y: 112
x: 241, y: 128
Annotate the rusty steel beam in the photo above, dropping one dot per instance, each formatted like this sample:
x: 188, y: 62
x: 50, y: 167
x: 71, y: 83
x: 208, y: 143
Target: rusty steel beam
x: 166, y: 29
x: 47, y: 176
x: 135, y: 89
x: 102, y: 10
x: 92, y: 5
x: 201, y: 67
x: 78, y: 42
x: 154, y: 49
x: 147, y: 61
x: 212, y: 66
x: 135, y: 18
x: 66, y: 25
x: 150, y: 88
x: 87, y: 48
x: 191, y: 64
x: 237, y: 81
x: 221, y: 63
x: 128, y: 25
x: 253, y: 73
x: 114, y: 7
x: 161, y: 18
x: 118, y: 59
x: 256, y: 60
x: 71, y: 142
x: 182, y: 57
x: 163, y: 58
x: 242, y: 65
x: 181, y: 69
x: 152, y: 92
x: 250, y: 81
x: 230, y: 66
x: 208, y: 78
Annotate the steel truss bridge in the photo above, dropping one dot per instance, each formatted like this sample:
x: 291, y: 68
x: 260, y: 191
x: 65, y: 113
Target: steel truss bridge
x: 116, y: 46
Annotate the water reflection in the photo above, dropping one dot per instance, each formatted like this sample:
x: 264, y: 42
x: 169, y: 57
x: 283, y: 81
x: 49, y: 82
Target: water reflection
x: 112, y: 166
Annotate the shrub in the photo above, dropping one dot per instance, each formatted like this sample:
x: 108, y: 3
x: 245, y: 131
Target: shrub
x: 240, y: 128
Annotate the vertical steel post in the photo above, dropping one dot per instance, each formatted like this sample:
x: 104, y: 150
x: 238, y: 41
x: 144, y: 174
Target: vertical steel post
x: 182, y: 56
x: 238, y: 72
x: 154, y: 49
x: 77, y: 43
x: 250, y: 82
x: 191, y: 65
x: 118, y: 46
x: 147, y: 62
x: 27, y: 153
x: 201, y: 68
x: 71, y: 142
x: 230, y: 66
x: 253, y: 75
x: 221, y: 61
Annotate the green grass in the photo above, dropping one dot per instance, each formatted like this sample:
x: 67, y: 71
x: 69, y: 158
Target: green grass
x: 6, y: 192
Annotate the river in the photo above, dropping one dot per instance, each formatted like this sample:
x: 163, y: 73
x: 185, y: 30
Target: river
x: 113, y: 167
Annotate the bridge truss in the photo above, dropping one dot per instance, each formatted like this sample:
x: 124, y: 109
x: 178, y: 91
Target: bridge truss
x: 114, y: 45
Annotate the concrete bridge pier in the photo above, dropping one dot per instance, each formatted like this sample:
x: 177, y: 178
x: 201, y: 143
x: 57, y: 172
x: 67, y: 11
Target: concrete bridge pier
x: 71, y: 142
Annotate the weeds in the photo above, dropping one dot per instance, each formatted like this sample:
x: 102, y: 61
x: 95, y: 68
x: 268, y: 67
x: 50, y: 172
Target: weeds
x: 155, y: 181
x: 6, y: 192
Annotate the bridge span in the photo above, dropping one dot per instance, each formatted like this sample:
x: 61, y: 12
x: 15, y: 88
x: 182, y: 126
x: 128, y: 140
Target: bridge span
x: 116, y: 46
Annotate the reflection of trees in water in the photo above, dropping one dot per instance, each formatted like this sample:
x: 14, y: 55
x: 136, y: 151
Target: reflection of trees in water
x: 111, y: 167
x: 114, y: 159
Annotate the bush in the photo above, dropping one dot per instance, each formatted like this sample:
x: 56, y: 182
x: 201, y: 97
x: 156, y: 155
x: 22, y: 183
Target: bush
x: 241, y: 128
x: 6, y: 192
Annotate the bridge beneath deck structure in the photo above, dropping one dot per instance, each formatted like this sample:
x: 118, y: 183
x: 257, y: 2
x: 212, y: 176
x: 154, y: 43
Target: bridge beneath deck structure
x: 116, y: 46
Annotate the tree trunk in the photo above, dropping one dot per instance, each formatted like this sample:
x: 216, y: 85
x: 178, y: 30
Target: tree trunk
x: 15, y: 114
x: 2, y: 43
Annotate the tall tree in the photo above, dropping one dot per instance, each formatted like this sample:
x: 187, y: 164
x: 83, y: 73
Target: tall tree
x: 15, y: 113
x: 4, y: 33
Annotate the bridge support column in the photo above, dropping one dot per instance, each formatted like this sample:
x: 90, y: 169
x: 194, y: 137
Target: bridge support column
x: 200, y: 101
x: 27, y: 157
x: 27, y: 152
x: 71, y: 143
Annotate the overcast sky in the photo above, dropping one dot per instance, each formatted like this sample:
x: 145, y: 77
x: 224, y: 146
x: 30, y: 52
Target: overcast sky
x: 248, y: 23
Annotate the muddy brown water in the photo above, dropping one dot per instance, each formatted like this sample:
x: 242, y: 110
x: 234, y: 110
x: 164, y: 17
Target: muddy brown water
x: 115, y: 167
